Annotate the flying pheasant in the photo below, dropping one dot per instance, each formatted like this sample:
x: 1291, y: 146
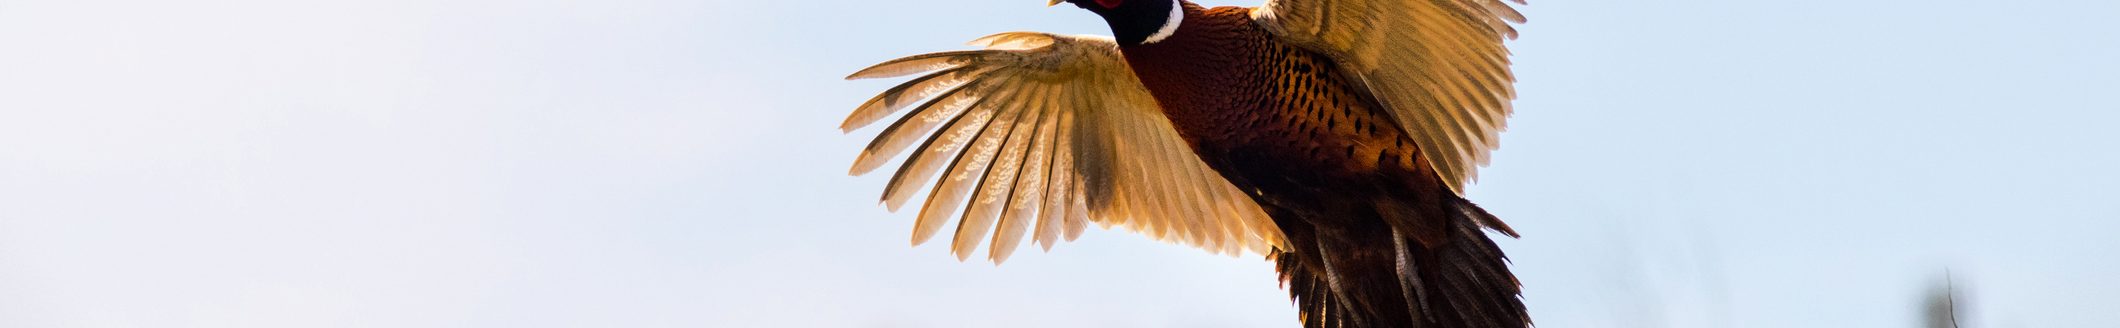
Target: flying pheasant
x: 1335, y: 137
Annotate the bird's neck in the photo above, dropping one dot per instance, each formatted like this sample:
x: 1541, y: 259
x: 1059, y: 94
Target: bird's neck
x: 1202, y: 44
x: 1192, y: 72
x: 1171, y: 21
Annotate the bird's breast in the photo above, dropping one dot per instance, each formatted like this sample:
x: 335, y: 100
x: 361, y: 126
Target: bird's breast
x: 1266, y: 112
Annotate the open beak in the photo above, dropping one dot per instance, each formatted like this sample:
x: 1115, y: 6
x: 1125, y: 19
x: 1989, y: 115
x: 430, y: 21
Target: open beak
x: 1054, y: 3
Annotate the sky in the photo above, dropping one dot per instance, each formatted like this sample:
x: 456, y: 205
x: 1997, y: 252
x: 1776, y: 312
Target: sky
x: 652, y: 163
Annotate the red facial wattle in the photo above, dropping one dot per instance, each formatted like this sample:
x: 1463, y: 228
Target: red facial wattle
x: 1109, y: 4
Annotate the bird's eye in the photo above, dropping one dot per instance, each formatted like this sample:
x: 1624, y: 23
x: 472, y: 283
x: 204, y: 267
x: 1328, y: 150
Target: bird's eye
x: 1109, y: 4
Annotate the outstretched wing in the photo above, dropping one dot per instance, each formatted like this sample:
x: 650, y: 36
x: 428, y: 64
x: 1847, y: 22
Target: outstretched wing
x: 1042, y: 133
x: 1439, y: 65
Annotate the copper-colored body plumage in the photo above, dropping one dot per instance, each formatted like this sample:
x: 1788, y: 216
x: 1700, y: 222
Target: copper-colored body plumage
x: 1236, y: 94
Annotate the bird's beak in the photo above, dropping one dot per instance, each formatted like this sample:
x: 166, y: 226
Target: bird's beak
x: 1054, y: 3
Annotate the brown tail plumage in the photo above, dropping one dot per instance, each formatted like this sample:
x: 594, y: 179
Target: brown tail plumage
x: 1380, y: 274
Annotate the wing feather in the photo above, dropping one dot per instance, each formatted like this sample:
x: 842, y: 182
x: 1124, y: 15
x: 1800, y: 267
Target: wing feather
x: 1439, y: 66
x: 990, y: 203
x: 1051, y: 218
x: 1030, y: 190
x: 1035, y: 138
x: 1077, y: 214
x: 947, y: 193
x: 969, y: 170
x: 923, y: 164
x: 914, y: 65
x: 920, y: 122
x: 924, y: 87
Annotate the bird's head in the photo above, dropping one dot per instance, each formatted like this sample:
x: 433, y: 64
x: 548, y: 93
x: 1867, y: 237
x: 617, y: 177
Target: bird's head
x: 1136, y: 22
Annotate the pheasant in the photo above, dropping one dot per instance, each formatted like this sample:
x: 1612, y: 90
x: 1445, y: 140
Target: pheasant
x: 1333, y: 137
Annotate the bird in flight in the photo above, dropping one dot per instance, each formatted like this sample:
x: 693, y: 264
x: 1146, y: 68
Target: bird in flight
x: 1334, y: 137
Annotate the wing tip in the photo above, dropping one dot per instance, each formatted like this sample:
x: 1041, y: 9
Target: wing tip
x: 865, y: 164
x: 869, y: 73
x: 998, y: 256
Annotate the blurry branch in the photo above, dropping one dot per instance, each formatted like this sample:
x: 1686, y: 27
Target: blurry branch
x: 1943, y: 304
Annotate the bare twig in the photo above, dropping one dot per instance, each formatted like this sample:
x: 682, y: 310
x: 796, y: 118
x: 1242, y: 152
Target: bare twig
x: 1943, y: 303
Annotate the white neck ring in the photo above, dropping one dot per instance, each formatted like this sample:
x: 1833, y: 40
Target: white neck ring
x: 1170, y: 25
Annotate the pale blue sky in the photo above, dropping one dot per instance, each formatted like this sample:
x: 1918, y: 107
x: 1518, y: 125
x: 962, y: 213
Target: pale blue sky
x: 650, y: 163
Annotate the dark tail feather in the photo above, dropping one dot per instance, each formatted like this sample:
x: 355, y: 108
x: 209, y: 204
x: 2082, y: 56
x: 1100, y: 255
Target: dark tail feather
x: 1452, y: 278
x: 1465, y: 280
